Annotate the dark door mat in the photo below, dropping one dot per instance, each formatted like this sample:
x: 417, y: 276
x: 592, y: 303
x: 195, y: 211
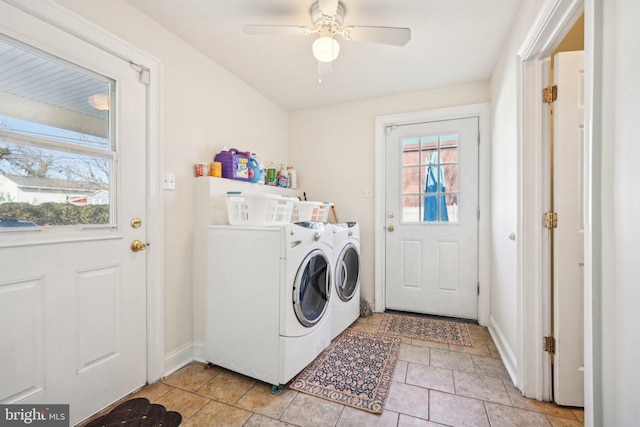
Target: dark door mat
x: 139, y: 413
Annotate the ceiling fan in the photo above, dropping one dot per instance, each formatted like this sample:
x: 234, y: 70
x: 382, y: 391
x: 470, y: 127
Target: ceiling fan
x: 327, y: 17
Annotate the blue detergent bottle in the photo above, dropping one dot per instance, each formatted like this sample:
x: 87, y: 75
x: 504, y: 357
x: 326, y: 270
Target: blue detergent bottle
x: 257, y: 169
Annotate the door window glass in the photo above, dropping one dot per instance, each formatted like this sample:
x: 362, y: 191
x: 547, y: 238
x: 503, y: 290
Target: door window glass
x: 57, y: 154
x: 430, y: 192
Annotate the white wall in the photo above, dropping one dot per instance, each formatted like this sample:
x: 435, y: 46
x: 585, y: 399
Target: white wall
x: 617, y: 290
x: 204, y: 109
x: 333, y: 150
x: 504, y: 188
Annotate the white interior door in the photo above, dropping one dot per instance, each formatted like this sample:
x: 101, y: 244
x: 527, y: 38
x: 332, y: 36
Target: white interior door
x: 72, y: 296
x: 431, y: 205
x: 568, y: 370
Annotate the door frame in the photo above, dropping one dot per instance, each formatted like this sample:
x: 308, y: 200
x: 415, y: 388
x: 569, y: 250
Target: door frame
x: 56, y: 15
x: 533, y: 375
x: 482, y: 111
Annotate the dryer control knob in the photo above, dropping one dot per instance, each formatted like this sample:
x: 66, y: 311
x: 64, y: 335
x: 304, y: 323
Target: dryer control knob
x: 316, y: 236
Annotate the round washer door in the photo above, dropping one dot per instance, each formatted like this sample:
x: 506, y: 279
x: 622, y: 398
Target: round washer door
x: 347, y: 272
x: 311, y: 288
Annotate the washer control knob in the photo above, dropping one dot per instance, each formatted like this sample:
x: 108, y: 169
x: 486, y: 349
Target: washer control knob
x: 316, y: 236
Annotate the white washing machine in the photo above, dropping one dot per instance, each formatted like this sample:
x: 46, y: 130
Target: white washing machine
x: 345, y: 299
x: 268, y: 309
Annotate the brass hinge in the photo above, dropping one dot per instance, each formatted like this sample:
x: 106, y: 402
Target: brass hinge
x: 550, y: 345
x: 551, y: 220
x: 550, y: 94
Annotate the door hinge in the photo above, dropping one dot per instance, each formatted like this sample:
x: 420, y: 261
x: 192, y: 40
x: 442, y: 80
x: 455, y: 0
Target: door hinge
x: 551, y: 220
x: 478, y: 288
x: 550, y: 94
x: 550, y: 345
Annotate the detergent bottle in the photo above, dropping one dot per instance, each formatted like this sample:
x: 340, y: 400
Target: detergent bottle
x: 272, y: 173
x: 293, y: 177
x: 283, y: 178
x: 261, y: 171
x: 254, y: 168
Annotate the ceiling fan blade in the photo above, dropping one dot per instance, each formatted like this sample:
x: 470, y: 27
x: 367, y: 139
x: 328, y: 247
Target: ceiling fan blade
x: 328, y: 7
x: 386, y: 35
x: 277, y: 30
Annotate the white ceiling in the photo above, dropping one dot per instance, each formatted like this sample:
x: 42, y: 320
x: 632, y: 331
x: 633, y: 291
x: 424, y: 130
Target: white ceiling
x: 452, y: 42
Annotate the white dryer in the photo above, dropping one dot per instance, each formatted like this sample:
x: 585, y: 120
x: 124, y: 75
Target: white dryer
x: 268, y: 310
x: 345, y: 300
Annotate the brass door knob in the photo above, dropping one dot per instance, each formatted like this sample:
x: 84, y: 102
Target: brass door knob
x: 137, y: 246
x: 390, y: 228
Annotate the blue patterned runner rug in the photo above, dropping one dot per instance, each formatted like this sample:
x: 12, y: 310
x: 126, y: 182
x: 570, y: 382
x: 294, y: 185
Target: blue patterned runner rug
x: 425, y: 328
x: 355, y: 370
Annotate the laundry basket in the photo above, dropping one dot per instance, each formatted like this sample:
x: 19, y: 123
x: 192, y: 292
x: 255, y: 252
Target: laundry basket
x: 311, y: 211
x: 258, y: 208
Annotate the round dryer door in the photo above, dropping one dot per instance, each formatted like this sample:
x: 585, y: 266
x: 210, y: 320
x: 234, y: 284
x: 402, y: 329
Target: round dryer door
x: 347, y: 272
x: 311, y: 288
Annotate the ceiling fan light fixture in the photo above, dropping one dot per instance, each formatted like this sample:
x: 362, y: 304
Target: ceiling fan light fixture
x: 99, y: 101
x: 326, y: 49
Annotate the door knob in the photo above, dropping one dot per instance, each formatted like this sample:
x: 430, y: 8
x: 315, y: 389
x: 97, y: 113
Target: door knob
x: 390, y: 228
x: 137, y: 246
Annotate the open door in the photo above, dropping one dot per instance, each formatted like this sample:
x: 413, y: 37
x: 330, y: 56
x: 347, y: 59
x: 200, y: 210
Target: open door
x: 568, y: 239
x: 73, y: 283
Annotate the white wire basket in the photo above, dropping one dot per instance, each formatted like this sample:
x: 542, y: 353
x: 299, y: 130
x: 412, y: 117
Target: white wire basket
x: 308, y: 211
x: 259, y: 209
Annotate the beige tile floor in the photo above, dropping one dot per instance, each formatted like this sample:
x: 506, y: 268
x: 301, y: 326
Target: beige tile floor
x: 434, y: 385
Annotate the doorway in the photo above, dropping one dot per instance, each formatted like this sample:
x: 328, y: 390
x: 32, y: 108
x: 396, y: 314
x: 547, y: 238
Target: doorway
x: 534, y: 373
x: 77, y: 290
x: 431, y: 205
x: 478, y: 116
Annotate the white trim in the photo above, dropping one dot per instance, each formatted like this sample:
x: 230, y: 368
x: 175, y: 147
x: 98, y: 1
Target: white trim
x: 182, y: 356
x: 507, y: 355
x: 74, y: 24
x: 553, y: 22
x: 593, y: 36
x: 200, y: 351
x: 482, y: 111
x: 178, y: 358
x: 155, y: 227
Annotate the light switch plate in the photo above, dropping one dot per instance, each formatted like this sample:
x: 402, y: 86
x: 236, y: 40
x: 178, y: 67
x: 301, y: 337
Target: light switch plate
x: 169, y: 181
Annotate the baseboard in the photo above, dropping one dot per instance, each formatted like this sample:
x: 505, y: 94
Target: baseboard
x: 199, y: 351
x: 193, y: 351
x: 506, y: 354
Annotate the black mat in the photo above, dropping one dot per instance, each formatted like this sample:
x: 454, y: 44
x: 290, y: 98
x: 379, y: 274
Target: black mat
x: 138, y: 413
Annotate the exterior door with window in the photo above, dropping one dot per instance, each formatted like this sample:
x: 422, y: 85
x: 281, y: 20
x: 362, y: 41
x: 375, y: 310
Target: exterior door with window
x: 431, y: 209
x: 72, y: 201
